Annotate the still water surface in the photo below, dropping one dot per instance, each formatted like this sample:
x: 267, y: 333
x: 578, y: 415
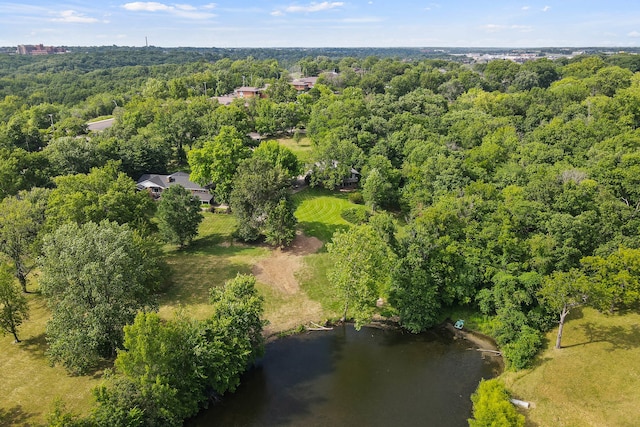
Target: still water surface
x: 345, y: 377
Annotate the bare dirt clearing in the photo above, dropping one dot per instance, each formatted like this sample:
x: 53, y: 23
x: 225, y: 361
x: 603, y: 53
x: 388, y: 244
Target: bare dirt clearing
x: 278, y: 274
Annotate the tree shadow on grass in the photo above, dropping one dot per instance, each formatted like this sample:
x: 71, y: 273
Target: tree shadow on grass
x: 14, y: 416
x: 620, y: 337
x: 321, y: 230
x: 36, y: 345
x: 212, y: 245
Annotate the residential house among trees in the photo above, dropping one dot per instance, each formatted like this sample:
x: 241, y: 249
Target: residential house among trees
x: 155, y: 184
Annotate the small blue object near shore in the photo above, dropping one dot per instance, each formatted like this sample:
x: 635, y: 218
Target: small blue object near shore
x: 459, y: 324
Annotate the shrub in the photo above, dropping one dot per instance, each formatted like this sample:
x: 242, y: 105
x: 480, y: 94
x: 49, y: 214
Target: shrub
x: 356, y: 216
x: 356, y: 197
x: 491, y: 407
x: 521, y: 351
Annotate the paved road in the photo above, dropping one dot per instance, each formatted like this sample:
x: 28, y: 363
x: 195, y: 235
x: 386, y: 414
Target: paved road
x: 101, y: 125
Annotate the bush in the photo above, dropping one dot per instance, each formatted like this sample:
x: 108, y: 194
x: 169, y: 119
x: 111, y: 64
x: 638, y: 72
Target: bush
x: 491, y: 407
x: 356, y: 197
x: 356, y: 216
x: 521, y: 351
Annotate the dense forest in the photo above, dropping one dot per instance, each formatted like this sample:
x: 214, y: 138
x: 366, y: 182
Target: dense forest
x: 513, y: 189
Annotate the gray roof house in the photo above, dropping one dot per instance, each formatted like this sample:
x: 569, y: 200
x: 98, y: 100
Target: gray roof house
x: 155, y: 184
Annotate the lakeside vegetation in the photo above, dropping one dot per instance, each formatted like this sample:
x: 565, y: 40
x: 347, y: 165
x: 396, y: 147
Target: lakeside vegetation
x: 517, y: 185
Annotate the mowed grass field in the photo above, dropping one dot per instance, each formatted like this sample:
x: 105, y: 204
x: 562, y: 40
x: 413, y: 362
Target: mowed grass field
x: 212, y: 259
x: 594, y: 380
x: 302, y: 149
x: 318, y: 212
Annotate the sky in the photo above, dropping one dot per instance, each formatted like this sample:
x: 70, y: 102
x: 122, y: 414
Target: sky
x: 347, y: 23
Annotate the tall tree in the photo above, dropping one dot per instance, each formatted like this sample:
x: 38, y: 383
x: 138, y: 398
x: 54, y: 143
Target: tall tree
x: 13, y: 305
x: 104, y: 193
x: 361, y: 270
x: 179, y: 215
x: 95, y: 278
x: 280, y: 226
x: 260, y: 202
x: 169, y: 369
x: 217, y: 161
x: 562, y: 292
x: 21, y: 219
x: 279, y: 156
x: 616, y: 278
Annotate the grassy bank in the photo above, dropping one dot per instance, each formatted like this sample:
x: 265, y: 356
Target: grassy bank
x: 594, y: 380
x: 29, y: 385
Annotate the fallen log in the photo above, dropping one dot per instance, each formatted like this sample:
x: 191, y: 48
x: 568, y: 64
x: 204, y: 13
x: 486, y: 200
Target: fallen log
x: 318, y: 327
x: 497, y: 353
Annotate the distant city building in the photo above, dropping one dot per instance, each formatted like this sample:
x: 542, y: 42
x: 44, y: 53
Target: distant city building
x: 39, y: 49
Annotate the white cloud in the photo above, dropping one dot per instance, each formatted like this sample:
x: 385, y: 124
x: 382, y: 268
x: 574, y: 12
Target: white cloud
x: 526, y: 7
x: 74, y: 17
x: 546, y: 8
x: 277, y: 13
x: 634, y: 34
x: 149, y: 6
x: 185, y: 7
x: 182, y: 10
x: 314, y: 7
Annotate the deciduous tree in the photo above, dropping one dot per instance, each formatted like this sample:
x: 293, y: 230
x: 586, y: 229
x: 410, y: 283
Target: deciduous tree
x: 13, y: 305
x: 217, y: 161
x: 260, y: 202
x: 491, y: 407
x: 179, y: 215
x: 21, y: 219
x: 562, y: 292
x: 361, y: 270
x: 95, y: 278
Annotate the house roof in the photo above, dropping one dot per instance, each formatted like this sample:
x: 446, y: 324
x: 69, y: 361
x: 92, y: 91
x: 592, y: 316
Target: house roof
x: 247, y: 89
x: 179, y: 178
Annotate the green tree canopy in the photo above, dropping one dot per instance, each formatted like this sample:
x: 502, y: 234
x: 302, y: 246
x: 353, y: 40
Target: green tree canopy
x: 492, y: 408
x: 260, y: 200
x: 103, y: 193
x: 361, y: 270
x: 217, y: 161
x: 95, y: 278
x: 21, y: 219
x: 168, y: 370
x: 13, y: 305
x: 179, y: 215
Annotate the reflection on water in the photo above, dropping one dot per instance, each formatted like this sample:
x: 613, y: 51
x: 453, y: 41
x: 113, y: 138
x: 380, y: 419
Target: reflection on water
x: 345, y: 377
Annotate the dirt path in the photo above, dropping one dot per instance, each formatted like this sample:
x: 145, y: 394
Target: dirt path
x: 278, y: 272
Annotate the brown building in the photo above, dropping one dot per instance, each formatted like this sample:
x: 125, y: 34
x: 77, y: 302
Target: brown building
x: 38, y: 49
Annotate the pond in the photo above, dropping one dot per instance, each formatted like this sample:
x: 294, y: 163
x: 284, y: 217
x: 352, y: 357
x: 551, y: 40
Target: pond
x: 344, y: 377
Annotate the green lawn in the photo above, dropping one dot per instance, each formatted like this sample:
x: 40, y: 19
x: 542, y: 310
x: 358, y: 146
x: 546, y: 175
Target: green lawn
x: 594, y: 380
x: 209, y: 261
x: 29, y: 385
x: 318, y: 212
x: 313, y: 280
x: 301, y: 149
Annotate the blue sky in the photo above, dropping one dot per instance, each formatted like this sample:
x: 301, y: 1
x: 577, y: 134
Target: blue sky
x: 348, y: 23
